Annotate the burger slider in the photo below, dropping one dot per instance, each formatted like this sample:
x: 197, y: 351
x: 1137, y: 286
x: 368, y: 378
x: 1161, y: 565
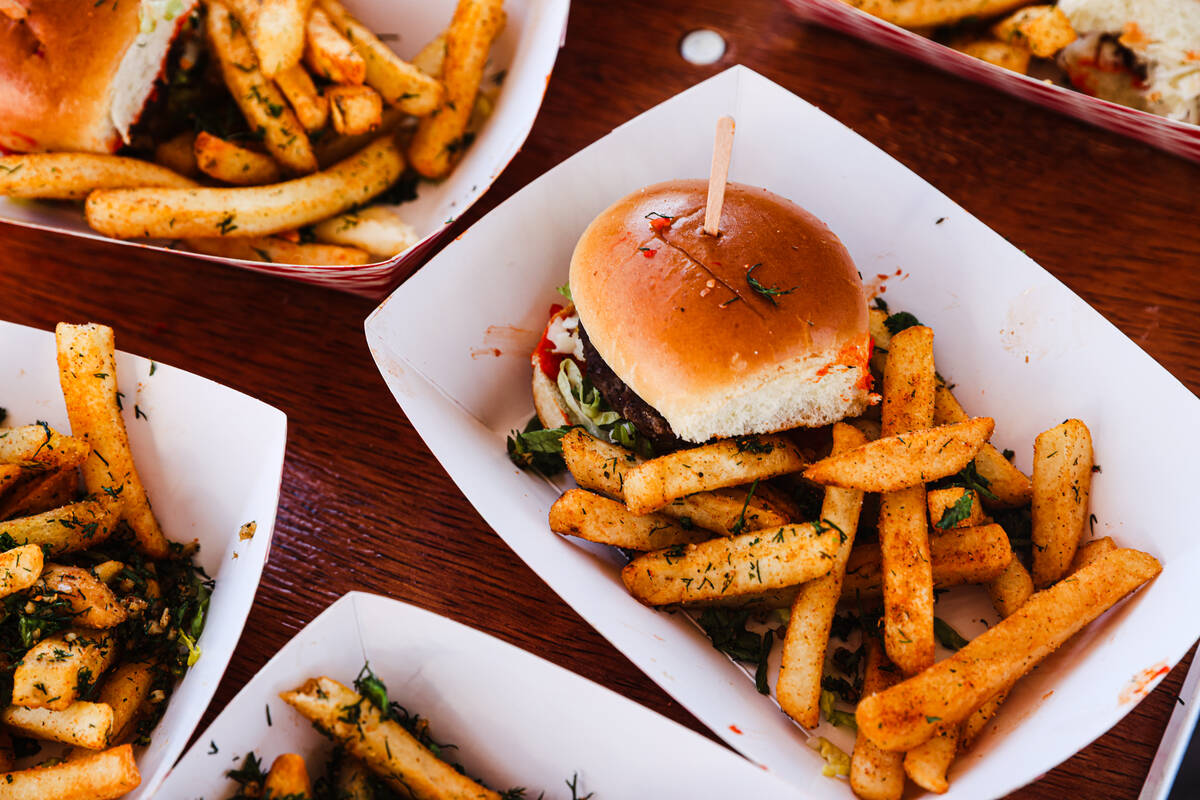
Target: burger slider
x: 676, y: 336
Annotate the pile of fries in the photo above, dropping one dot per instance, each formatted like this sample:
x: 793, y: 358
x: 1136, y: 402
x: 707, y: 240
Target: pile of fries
x: 1007, y: 33
x: 335, y: 119
x: 101, y: 611
x: 743, y: 528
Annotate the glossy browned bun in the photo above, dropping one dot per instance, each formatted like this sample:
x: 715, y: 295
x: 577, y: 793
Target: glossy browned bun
x: 71, y: 67
x: 676, y: 315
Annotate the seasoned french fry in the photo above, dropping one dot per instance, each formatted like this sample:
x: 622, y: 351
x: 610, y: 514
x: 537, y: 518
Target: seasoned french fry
x: 248, y: 210
x: 876, y: 774
x: 106, y: 775
x: 881, y: 338
x: 1044, y: 30
x: 40, y: 493
x: 906, y: 715
x: 124, y: 691
x: 288, y: 778
x: 748, y: 563
x: 273, y: 250
x: 909, y: 381
x: 973, y: 725
x: 432, y: 56
x: 67, y: 529
x: 1062, y: 481
x: 903, y: 460
x: 41, y: 445
x: 72, y: 176
x: 378, y: 230
x: 959, y: 556
x: 1010, y: 589
x: 400, y: 83
x: 93, y: 603
x: 310, y: 107
x: 926, y: 764
x: 88, y: 375
x: 232, y: 163
x: 262, y: 104
x: 178, y: 154
x: 598, y: 519
x: 49, y: 674
x: 655, y: 483
x: 439, y: 138
x: 602, y: 467
x: 355, y: 110
x: 330, y: 54
x: 945, y: 506
x: 933, y: 13
x: 20, y: 568
x: 1010, y: 487
x: 278, y: 34
x: 353, y: 781
x: 81, y: 724
x: 1006, y: 55
x: 10, y: 476
x: 384, y: 745
x: 798, y: 687
x: 333, y: 148
x: 1090, y: 551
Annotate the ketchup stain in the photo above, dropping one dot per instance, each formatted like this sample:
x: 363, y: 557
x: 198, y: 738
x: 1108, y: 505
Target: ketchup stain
x: 736, y: 729
x: 1139, y: 685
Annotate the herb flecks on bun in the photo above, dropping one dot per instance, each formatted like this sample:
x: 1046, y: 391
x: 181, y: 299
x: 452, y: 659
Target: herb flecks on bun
x: 760, y: 329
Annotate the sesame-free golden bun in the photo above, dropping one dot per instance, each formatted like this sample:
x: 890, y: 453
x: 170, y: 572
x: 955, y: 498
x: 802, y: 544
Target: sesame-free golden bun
x: 762, y: 328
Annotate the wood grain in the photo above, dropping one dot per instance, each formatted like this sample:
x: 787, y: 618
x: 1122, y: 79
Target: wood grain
x: 365, y: 505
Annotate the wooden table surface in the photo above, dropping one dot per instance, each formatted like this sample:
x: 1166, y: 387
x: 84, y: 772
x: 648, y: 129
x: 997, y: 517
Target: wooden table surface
x: 365, y: 506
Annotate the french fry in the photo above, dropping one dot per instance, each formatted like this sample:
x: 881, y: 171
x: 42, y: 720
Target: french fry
x: 1013, y: 57
x: 798, y: 687
x: 88, y: 375
x: 655, y: 483
x: 93, y: 604
x: 1010, y: 487
x: 355, y: 110
x: 262, y: 104
x: 378, y: 230
x: 1010, y: 589
x: 41, y: 492
x: 353, y: 781
x: 881, y: 338
x: 105, y: 775
x: 400, y: 83
x: 926, y: 764
x: 178, y: 154
x: 748, y: 563
x: 81, y: 724
x: 599, y: 519
x: 909, y: 381
x: 1062, y: 481
x: 10, y: 476
x: 332, y: 148
x: 1044, y: 30
x: 124, y: 691
x: 602, y: 467
x: 13, y: 9
x: 248, y: 210
x: 20, y: 568
x: 41, y: 445
x: 278, y: 34
x: 958, y: 556
x: 330, y: 54
x: 904, y: 460
x: 383, y: 745
x: 430, y: 58
x: 439, y: 138
x: 1090, y: 551
x: 48, y: 676
x: 288, y: 778
x: 72, y: 176
x: 67, y: 529
x: 232, y: 163
x: 943, y: 502
x: 310, y: 107
x: 273, y: 250
x: 933, y: 13
x: 876, y: 774
x: 906, y: 715
x: 973, y: 725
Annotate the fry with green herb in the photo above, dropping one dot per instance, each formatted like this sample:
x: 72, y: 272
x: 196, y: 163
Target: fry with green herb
x: 599, y: 519
x: 1062, y: 482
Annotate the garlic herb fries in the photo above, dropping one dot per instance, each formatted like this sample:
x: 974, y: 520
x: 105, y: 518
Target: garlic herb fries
x: 853, y: 597
x: 101, y: 611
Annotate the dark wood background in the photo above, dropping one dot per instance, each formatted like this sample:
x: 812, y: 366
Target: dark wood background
x: 365, y: 505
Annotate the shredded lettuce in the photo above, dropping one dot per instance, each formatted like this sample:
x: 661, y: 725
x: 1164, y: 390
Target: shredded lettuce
x: 837, y: 762
x: 586, y: 406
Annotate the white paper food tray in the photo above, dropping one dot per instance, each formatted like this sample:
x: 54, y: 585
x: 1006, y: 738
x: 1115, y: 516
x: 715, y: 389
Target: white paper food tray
x: 525, y: 52
x: 1019, y: 345
x: 211, y: 459
x: 515, y: 720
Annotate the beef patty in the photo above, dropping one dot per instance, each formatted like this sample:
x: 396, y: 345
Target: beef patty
x: 626, y: 402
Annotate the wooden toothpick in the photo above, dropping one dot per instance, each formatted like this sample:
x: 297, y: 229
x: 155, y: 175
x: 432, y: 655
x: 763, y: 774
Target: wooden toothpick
x: 722, y: 152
